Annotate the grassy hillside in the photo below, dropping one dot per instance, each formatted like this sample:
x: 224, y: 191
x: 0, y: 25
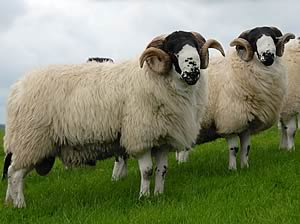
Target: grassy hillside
x: 201, y: 191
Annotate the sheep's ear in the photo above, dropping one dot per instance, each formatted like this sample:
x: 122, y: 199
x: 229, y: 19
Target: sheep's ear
x: 156, y: 59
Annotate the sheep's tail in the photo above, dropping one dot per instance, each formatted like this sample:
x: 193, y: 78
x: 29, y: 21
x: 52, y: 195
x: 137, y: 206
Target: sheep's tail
x: 7, y: 162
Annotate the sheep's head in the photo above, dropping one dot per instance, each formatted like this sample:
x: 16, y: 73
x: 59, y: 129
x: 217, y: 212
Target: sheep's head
x: 266, y: 43
x: 100, y: 60
x: 185, y: 53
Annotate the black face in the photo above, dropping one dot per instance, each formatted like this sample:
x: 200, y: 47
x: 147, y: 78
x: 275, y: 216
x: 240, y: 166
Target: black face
x: 263, y: 41
x: 182, y: 48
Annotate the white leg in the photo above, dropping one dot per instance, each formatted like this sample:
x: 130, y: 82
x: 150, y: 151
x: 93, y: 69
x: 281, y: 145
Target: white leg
x: 145, y: 165
x: 15, y: 186
x: 283, y: 137
x: 120, y: 168
x: 233, y: 147
x: 245, y: 148
x: 161, y: 158
x: 8, y: 197
x: 182, y: 156
x: 291, y: 131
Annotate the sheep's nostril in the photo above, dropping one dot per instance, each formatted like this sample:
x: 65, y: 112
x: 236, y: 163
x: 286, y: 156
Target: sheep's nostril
x: 268, y: 54
x: 267, y: 58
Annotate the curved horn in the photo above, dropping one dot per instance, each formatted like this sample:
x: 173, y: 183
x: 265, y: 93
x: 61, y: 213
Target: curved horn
x: 157, y: 41
x: 282, y: 41
x: 157, y: 59
x: 248, y: 55
x: 201, y: 40
x: 204, y: 55
x: 153, y: 52
x: 163, y: 58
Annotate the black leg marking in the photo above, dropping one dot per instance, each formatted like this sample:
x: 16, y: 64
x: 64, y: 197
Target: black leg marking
x: 148, y: 173
x: 235, y: 149
x: 164, y: 172
x: 248, y: 149
x: 117, y: 159
x: 7, y: 163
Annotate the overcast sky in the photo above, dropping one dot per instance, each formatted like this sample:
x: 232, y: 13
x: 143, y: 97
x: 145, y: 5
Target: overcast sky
x: 35, y: 33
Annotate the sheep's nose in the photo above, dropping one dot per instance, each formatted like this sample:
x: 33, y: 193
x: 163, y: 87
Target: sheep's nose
x: 191, y: 77
x: 267, y: 58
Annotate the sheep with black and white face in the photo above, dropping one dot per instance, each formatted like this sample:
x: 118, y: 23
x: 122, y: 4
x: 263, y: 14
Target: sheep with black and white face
x: 156, y: 101
x: 245, y: 91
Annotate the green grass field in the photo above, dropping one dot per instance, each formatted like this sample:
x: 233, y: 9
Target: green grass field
x: 201, y: 191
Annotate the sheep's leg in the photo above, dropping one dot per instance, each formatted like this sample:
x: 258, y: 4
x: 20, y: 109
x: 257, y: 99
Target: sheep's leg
x: 177, y: 155
x: 182, y: 156
x: 232, y: 142
x: 298, y: 118
x: 161, y: 158
x: 15, y: 186
x: 245, y: 148
x: 283, y: 139
x: 145, y: 165
x: 120, y: 168
x: 291, y: 131
x: 279, y: 125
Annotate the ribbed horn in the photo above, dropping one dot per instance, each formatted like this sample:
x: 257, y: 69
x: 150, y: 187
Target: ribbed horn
x: 204, y: 56
x: 281, y: 42
x: 248, y: 55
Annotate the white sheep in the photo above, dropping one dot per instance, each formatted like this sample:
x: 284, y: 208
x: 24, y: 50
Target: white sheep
x: 246, y: 91
x: 135, y: 105
x: 291, y: 105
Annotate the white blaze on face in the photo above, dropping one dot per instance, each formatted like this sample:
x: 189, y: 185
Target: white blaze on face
x: 265, y: 44
x: 188, y: 58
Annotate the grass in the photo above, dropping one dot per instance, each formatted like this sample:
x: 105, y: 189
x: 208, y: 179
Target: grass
x: 200, y: 191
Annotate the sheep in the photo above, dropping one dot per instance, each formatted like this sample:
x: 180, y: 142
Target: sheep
x: 148, y: 104
x: 291, y: 105
x: 100, y: 60
x: 251, y: 83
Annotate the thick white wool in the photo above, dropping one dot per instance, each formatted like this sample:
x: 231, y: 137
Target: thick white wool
x: 95, y: 104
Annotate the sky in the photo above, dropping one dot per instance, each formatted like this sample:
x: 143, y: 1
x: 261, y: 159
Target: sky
x: 35, y: 33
